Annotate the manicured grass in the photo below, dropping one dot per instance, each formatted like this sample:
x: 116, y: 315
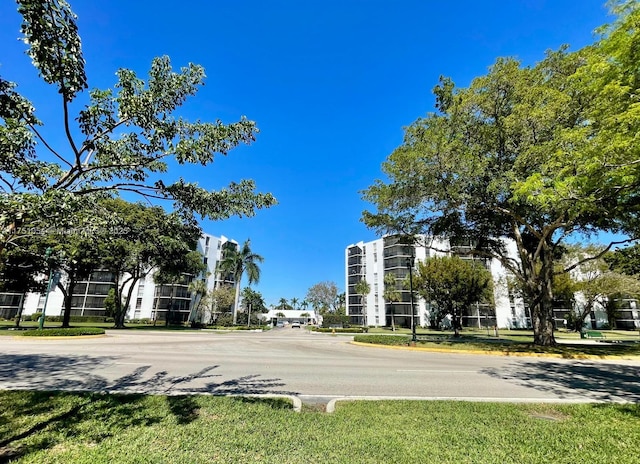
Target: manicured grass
x: 469, y: 342
x: 37, y: 427
x: 58, y: 332
x: 5, y: 326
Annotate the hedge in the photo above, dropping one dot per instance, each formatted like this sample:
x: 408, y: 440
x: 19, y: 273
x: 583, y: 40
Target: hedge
x: 383, y: 339
x: 339, y: 330
x: 59, y: 332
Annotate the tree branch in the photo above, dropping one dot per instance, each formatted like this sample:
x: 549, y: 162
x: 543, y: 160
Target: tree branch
x: 597, y: 256
x: 49, y: 147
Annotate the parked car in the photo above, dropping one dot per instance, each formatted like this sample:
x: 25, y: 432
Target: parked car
x: 295, y: 325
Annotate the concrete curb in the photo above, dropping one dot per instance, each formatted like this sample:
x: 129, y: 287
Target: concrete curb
x: 503, y: 353
x: 331, y: 405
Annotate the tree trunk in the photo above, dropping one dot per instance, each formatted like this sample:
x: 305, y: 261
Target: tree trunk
x: 542, y: 313
x: 393, y: 324
x: 456, y: 323
x: 236, y: 302
x: 123, y: 310
x: 68, y: 294
x: 167, y: 318
x: 20, y: 309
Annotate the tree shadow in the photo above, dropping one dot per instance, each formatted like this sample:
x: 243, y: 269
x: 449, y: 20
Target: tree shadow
x: 184, y: 408
x: 589, y: 380
x: 71, y: 417
x: 124, y: 406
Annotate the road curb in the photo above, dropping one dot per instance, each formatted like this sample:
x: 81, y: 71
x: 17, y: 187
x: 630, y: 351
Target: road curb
x: 503, y: 353
x: 331, y: 405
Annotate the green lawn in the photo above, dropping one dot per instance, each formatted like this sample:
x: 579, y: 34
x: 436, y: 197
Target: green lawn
x: 6, y: 325
x: 93, y: 428
x: 511, y: 345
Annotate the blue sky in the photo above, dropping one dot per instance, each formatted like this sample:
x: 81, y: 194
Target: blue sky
x: 330, y: 84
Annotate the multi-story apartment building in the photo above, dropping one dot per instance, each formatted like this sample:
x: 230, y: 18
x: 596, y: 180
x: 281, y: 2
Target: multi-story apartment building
x: 389, y: 255
x: 150, y: 300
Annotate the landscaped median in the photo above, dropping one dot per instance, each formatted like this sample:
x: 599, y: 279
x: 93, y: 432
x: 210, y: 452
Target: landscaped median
x: 473, y: 344
x: 60, y: 332
x: 92, y: 428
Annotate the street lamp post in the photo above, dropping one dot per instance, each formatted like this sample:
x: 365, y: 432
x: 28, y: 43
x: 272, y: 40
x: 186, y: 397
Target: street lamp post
x: 410, y: 262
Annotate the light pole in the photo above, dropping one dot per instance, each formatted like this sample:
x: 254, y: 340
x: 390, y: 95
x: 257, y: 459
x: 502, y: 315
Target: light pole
x: 410, y: 262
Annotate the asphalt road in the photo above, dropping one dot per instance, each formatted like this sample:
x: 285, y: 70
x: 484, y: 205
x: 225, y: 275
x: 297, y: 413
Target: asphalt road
x: 314, y: 367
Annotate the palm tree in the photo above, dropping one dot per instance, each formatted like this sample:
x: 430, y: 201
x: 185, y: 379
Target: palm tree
x: 390, y: 295
x: 236, y: 262
x: 294, y: 302
x: 283, y: 304
x: 198, y: 290
x: 363, y: 288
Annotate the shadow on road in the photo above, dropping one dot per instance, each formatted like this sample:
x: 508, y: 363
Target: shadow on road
x: 51, y: 374
x: 597, y: 381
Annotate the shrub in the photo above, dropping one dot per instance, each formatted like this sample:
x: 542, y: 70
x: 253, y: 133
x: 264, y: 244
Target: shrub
x: 334, y: 319
x: 338, y: 330
x: 58, y: 332
x: 224, y: 320
x: 35, y: 316
x: 383, y: 339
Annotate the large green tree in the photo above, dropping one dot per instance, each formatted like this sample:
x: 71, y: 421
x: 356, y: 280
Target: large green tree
x: 142, y: 239
x: 530, y: 154
x: 597, y: 283
x: 253, y: 298
x: 323, y: 296
x: 236, y: 262
x: 120, y: 141
x: 453, y: 284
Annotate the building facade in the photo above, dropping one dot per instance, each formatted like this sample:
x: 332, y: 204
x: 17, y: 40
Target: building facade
x: 149, y: 300
x: 372, y: 261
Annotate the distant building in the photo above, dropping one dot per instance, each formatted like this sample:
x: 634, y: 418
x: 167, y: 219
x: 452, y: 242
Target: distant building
x: 149, y: 300
x: 371, y: 261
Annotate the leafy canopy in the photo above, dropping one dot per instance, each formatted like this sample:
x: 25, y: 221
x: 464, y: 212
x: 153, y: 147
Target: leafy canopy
x: 531, y: 154
x: 120, y: 141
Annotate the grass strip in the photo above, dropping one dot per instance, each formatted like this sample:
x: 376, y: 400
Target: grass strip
x: 504, y: 346
x: 78, y: 428
x: 59, y: 332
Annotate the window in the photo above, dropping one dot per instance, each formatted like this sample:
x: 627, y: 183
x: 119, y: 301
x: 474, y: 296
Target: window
x: 206, y: 241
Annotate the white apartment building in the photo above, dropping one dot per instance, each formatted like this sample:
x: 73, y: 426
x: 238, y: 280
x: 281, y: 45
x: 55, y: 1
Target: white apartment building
x: 149, y: 300
x: 371, y: 261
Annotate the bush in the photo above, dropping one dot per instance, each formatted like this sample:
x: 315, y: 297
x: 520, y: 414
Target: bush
x: 338, y: 330
x: 35, y: 316
x: 58, y: 332
x: 396, y: 340
x: 225, y: 320
x: 334, y: 319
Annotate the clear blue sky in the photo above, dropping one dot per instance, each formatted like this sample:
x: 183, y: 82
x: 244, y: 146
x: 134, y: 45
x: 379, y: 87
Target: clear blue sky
x: 330, y: 84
